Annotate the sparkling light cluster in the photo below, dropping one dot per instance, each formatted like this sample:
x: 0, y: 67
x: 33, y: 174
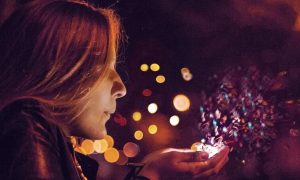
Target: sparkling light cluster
x: 238, y: 112
x: 210, y: 149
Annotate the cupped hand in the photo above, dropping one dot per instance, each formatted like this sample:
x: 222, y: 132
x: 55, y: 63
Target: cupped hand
x: 183, y: 162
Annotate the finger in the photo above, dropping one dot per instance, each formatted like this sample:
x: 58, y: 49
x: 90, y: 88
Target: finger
x: 213, y: 161
x: 213, y: 171
x: 221, y: 165
x: 191, y: 167
x: 218, y: 166
x: 197, y: 167
x: 201, y: 156
x: 193, y: 156
x: 190, y: 156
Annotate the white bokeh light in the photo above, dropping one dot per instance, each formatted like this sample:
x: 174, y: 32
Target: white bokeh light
x: 152, y: 108
x: 174, y: 120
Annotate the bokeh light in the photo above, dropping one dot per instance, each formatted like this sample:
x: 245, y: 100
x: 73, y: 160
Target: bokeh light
x: 174, y: 120
x: 144, y: 67
x: 111, y: 155
x: 123, y: 159
x: 154, y: 67
x: 152, y: 129
x: 184, y: 70
x: 147, y: 92
x: 152, y: 108
x: 187, y: 77
x: 181, y: 102
x: 137, y: 116
x: 120, y: 120
x: 138, y: 135
x: 74, y: 141
x: 186, y: 74
x: 100, y: 146
x: 109, y: 140
x: 88, y: 146
x: 80, y: 150
x: 160, y: 79
x: 131, y: 149
x: 194, y: 146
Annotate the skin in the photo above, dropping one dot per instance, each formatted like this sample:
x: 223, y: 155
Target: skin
x: 179, y: 162
x: 183, y: 163
x: 91, y: 123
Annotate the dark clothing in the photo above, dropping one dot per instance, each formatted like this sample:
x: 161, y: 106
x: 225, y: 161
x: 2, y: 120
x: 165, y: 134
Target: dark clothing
x: 32, y: 147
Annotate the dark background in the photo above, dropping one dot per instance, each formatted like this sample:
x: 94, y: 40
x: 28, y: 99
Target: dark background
x: 206, y: 36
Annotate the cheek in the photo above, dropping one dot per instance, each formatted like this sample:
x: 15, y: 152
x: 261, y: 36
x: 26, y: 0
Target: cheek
x: 100, y: 101
x: 95, y: 107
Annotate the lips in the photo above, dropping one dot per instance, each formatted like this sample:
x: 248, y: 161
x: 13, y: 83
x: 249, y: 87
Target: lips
x: 108, y: 114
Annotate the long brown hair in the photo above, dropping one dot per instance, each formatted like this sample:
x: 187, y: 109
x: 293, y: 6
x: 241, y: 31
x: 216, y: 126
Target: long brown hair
x: 56, y: 52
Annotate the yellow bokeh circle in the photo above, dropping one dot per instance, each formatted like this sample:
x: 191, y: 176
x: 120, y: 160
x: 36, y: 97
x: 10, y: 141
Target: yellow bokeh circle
x: 111, y: 155
x: 154, y: 67
x: 138, y: 135
x: 100, y: 146
x: 195, y: 146
x: 160, y: 79
x: 144, y: 67
x: 110, y: 141
x: 88, y: 146
x: 136, y: 116
x: 152, y: 129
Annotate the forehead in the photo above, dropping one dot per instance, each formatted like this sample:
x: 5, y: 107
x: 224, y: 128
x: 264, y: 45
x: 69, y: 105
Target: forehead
x: 105, y: 54
x: 112, y: 56
x: 112, y: 52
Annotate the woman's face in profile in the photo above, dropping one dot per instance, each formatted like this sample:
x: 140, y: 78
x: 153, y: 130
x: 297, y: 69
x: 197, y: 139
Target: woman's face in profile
x: 91, y: 123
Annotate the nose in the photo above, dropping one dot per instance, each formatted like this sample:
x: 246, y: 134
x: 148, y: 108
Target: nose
x: 118, y: 88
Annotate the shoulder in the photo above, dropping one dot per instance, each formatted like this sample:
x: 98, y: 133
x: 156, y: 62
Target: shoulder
x: 24, y: 118
x: 30, y: 141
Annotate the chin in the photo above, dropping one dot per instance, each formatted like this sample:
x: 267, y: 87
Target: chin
x: 92, y: 135
x: 98, y: 135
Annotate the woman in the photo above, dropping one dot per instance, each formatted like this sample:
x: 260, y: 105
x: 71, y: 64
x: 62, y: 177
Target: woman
x: 57, y: 79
